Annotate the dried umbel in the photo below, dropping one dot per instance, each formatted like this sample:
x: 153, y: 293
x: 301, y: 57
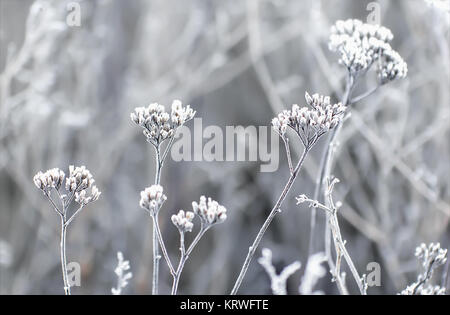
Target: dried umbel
x: 52, y: 178
x: 310, y: 123
x: 79, y: 179
x: 209, y: 211
x: 84, y: 196
x: 152, y: 199
x: 183, y: 221
x: 158, y: 124
x: 79, y: 187
x: 432, y: 255
x: 361, y: 45
x: 391, y: 67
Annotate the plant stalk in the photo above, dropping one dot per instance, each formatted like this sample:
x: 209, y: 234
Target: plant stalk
x: 275, y: 210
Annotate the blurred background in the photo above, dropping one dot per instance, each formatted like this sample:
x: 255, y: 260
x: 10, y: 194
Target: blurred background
x: 67, y: 92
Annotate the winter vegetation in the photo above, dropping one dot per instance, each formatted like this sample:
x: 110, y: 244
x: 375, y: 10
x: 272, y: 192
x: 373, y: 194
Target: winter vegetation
x: 71, y: 72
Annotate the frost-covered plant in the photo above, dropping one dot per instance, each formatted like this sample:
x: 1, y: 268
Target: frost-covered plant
x: 308, y: 124
x: 313, y: 273
x: 79, y: 186
x: 430, y: 257
x: 331, y: 208
x: 278, y: 281
x: 360, y: 47
x: 209, y: 211
x: 158, y: 126
x: 123, y: 276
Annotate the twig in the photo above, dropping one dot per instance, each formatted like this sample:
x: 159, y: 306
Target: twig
x: 275, y: 210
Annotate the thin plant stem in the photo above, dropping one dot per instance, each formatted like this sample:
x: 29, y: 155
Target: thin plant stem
x: 364, y: 95
x: 156, y: 255
x: 63, y: 255
x: 157, y: 238
x: 325, y: 162
x: 161, y: 243
x: 185, y: 255
x: 288, y: 154
x: 445, y: 276
x: 276, y: 209
x: 339, y: 243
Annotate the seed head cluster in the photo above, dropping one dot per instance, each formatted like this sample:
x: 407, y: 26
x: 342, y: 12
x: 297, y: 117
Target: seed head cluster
x: 158, y: 125
x: 79, y: 184
x: 52, y: 178
x: 360, y: 45
x: 183, y: 221
x: 152, y: 198
x: 209, y: 211
x: 312, y: 122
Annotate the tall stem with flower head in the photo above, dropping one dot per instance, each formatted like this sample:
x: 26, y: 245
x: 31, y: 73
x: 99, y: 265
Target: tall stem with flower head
x: 209, y: 211
x: 361, y: 47
x: 308, y: 124
x: 79, y: 187
x: 159, y: 126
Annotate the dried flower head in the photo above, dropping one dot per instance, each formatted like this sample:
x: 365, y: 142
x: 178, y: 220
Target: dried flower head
x: 152, y: 199
x: 52, y: 178
x: 84, y: 196
x: 360, y: 45
x: 209, y: 211
x: 181, y: 114
x: 391, y: 67
x: 310, y: 123
x: 183, y: 221
x: 79, y: 179
x: 432, y: 255
x: 158, y: 125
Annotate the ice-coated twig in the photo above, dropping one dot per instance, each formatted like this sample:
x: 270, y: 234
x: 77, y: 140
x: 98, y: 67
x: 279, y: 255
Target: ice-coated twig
x: 314, y: 271
x: 430, y: 257
x: 339, y: 244
x: 278, y: 281
x: 122, y: 275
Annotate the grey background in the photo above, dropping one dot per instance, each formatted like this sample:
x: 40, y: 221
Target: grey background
x: 71, y: 89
